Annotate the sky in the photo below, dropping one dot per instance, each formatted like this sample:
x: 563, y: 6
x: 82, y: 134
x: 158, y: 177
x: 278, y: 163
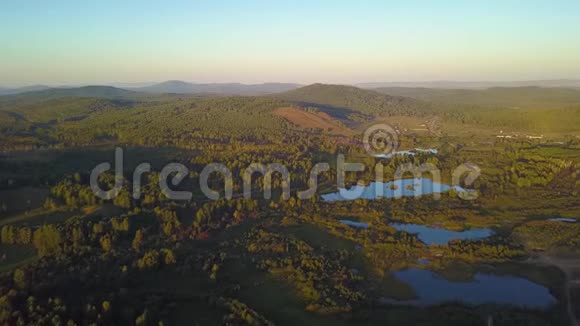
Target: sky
x: 63, y: 42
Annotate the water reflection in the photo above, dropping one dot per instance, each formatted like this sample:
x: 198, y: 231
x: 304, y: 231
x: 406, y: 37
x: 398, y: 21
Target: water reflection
x: 563, y: 219
x: 431, y: 235
x: 354, y: 224
x: 431, y: 288
x: 392, y: 189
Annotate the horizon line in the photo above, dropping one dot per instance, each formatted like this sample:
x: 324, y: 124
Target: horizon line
x: 136, y: 84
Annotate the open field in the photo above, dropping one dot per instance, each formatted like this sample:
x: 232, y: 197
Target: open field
x: 21, y: 199
x: 313, y: 120
x: 13, y: 256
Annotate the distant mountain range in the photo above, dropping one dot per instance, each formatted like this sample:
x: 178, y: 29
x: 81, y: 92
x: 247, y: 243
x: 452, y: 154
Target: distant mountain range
x: 18, y: 90
x: 167, y: 87
x: 45, y: 94
x: 181, y: 87
x: 339, y: 101
x: 565, y: 83
x: 529, y: 97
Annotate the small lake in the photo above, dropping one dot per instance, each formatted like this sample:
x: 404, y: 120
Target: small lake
x: 562, y: 219
x: 410, y: 152
x: 392, y: 189
x: 354, y: 224
x: 430, y: 289
x: 430, y: 235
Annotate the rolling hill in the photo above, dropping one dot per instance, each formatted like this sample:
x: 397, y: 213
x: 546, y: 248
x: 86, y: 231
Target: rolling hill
x: 339, y: 100
x: 13, y: 102
x: 507, y: 97
x: 65, y: 103
x: 314, y: 120
x: 19, y: 90
x: 118, y: 95
x: 447, y: 84
x: 85, y: 91
x: 524, y: 108
x: 64, y: 108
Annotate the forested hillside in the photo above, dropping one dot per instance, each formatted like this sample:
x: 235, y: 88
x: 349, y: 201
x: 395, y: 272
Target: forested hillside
x: 496, y: 97
x: 90, y: 115
x: 357, y: 100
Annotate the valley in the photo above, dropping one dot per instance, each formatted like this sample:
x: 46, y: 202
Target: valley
x: 500, y: 253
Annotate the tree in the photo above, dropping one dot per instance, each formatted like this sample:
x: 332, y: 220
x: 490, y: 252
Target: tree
x: 141, y: 319
x: 168, y: 256
x: 123, y: 199
x: 138, y: 240
x: 19, y: 278
x: 106, y: 243
x: 24, y: 235
x: 149, y: 260
x: 7, y: 236
x: 120, y: 224
x: 5, y: 308
x: 46, y: 240
x: 106, y: 306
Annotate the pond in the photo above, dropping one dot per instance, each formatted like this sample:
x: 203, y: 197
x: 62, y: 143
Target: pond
x: 431, y: 289
x: 392, y: 189
x: 430, y: 235
x: 354, y: 224
x: 563, y: 219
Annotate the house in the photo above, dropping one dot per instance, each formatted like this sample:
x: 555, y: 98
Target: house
x: 534, y: 137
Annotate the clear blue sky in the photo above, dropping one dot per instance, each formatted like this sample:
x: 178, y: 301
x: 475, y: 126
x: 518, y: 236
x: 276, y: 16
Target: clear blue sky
x: 84, y: 42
